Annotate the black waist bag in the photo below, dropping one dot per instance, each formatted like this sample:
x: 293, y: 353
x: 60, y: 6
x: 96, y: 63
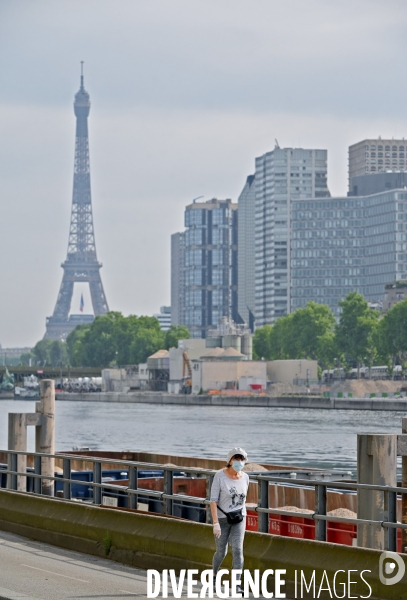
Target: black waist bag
x: 234, y: 516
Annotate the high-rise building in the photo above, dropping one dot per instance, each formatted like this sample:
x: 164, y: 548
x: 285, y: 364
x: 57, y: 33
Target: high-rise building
x: 375, y: 156
x: 281, y: 176
x: 210, y: 264
x: 177, y: 278
x: 164, y: 317
x: 341, y: 245
x: 374, y: 183
x: 245, y: 253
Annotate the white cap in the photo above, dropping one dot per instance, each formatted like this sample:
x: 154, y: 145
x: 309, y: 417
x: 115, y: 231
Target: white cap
x: 235, y: 451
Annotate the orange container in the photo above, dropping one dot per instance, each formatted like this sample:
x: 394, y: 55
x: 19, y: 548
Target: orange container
x: 252, y: 521
x: 303, y: 528
x: 341, y: 533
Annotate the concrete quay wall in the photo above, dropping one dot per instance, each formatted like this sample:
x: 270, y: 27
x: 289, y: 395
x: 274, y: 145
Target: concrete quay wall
x: 389, y: 404
x: 156, y: 542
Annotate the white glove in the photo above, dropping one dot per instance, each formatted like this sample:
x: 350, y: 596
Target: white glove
x: 216, y: 530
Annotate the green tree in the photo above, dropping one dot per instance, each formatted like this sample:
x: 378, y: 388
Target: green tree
x: 283, y: 339
x: 76, y: 347
x: 391, y: 336
x: 175, y: 333
x: 262, y: 342
x: 41, y: 352
x: 313, y: 331
x: 26, y: 358
x: 100, y: 340
x: 113, y: 338
x: 356, y: 331
x: 309, y: 332
x: 146, y: 343
x: 58, y: 353
x: 127, y: 332
x: 327, y: 350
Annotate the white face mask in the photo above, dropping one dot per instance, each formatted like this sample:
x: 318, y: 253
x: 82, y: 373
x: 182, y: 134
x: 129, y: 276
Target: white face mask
x: 237, y: 465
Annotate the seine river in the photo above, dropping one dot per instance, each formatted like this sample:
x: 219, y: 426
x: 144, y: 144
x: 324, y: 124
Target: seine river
x: 303, y: 437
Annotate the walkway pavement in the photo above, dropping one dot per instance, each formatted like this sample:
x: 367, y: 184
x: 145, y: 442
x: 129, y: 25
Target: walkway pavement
x: 31, y: 570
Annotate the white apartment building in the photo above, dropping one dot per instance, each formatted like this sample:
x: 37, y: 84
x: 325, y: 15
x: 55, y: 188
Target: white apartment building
x: 282, y: 175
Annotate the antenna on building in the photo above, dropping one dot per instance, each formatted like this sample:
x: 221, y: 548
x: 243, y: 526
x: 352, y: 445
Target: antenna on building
x: 197, y: 198
x: 277, y: 144
x: 82, y: 74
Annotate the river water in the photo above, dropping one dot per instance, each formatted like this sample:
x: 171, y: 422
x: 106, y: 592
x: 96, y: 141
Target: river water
x: 301, y: 437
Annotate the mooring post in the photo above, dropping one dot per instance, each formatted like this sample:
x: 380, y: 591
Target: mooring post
x: 17, y: 440
x: 45, y: 434
x: 377, y: 465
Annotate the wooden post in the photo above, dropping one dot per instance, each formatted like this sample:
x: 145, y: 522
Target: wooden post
x: 17, y: 440
x: 45, y: 434
x: 377, y: 465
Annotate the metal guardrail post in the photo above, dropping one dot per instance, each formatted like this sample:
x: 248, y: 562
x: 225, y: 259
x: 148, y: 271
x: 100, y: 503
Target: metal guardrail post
x: 404, y: 496
x: 37, y: 471
x: 133, y: 485
x: 209, y: 481
x: 13, y: 467
x: 168, y: 489
x: 263, y: 503
x: 97, y: 478
x: 392, y: 517
x: 320, y: 509
x: 66, y: 473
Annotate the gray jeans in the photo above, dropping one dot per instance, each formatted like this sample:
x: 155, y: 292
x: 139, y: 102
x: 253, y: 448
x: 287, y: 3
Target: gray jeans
x: 234, y: 534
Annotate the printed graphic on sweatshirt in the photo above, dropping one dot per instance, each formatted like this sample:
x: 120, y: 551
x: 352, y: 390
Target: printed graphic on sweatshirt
x: 237, y: 499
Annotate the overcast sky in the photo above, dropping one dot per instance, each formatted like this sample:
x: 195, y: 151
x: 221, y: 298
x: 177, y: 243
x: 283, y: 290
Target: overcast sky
x: 185, y: 94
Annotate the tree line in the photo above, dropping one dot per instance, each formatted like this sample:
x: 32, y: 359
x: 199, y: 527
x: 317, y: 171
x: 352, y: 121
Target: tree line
x: 361, y: 336
x: 110, y: 339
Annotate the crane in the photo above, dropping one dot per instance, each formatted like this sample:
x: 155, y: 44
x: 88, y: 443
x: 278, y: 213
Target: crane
x: 186, y: 374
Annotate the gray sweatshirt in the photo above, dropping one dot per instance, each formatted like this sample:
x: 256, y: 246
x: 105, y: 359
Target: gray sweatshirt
x: 229, y: 494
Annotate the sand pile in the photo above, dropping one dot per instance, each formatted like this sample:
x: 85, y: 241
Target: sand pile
x: 358, y: 388
x: 342, y: 512
x: 295, y: 509
x: 338, y: 512
x: 250, y: 467
x: 282, y: 389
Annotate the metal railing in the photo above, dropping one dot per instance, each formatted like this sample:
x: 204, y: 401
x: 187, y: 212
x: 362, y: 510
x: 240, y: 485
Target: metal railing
x: 168, y: 497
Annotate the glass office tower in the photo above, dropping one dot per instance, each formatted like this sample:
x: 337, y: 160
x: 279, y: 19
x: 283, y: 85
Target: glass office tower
x: 210, y: 276
x: 347, y: 244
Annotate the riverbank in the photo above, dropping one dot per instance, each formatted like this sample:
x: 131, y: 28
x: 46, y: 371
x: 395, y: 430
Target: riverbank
x: 387, y: 404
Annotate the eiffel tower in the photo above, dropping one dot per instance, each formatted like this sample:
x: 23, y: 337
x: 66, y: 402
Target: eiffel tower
x: 81, y: 264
